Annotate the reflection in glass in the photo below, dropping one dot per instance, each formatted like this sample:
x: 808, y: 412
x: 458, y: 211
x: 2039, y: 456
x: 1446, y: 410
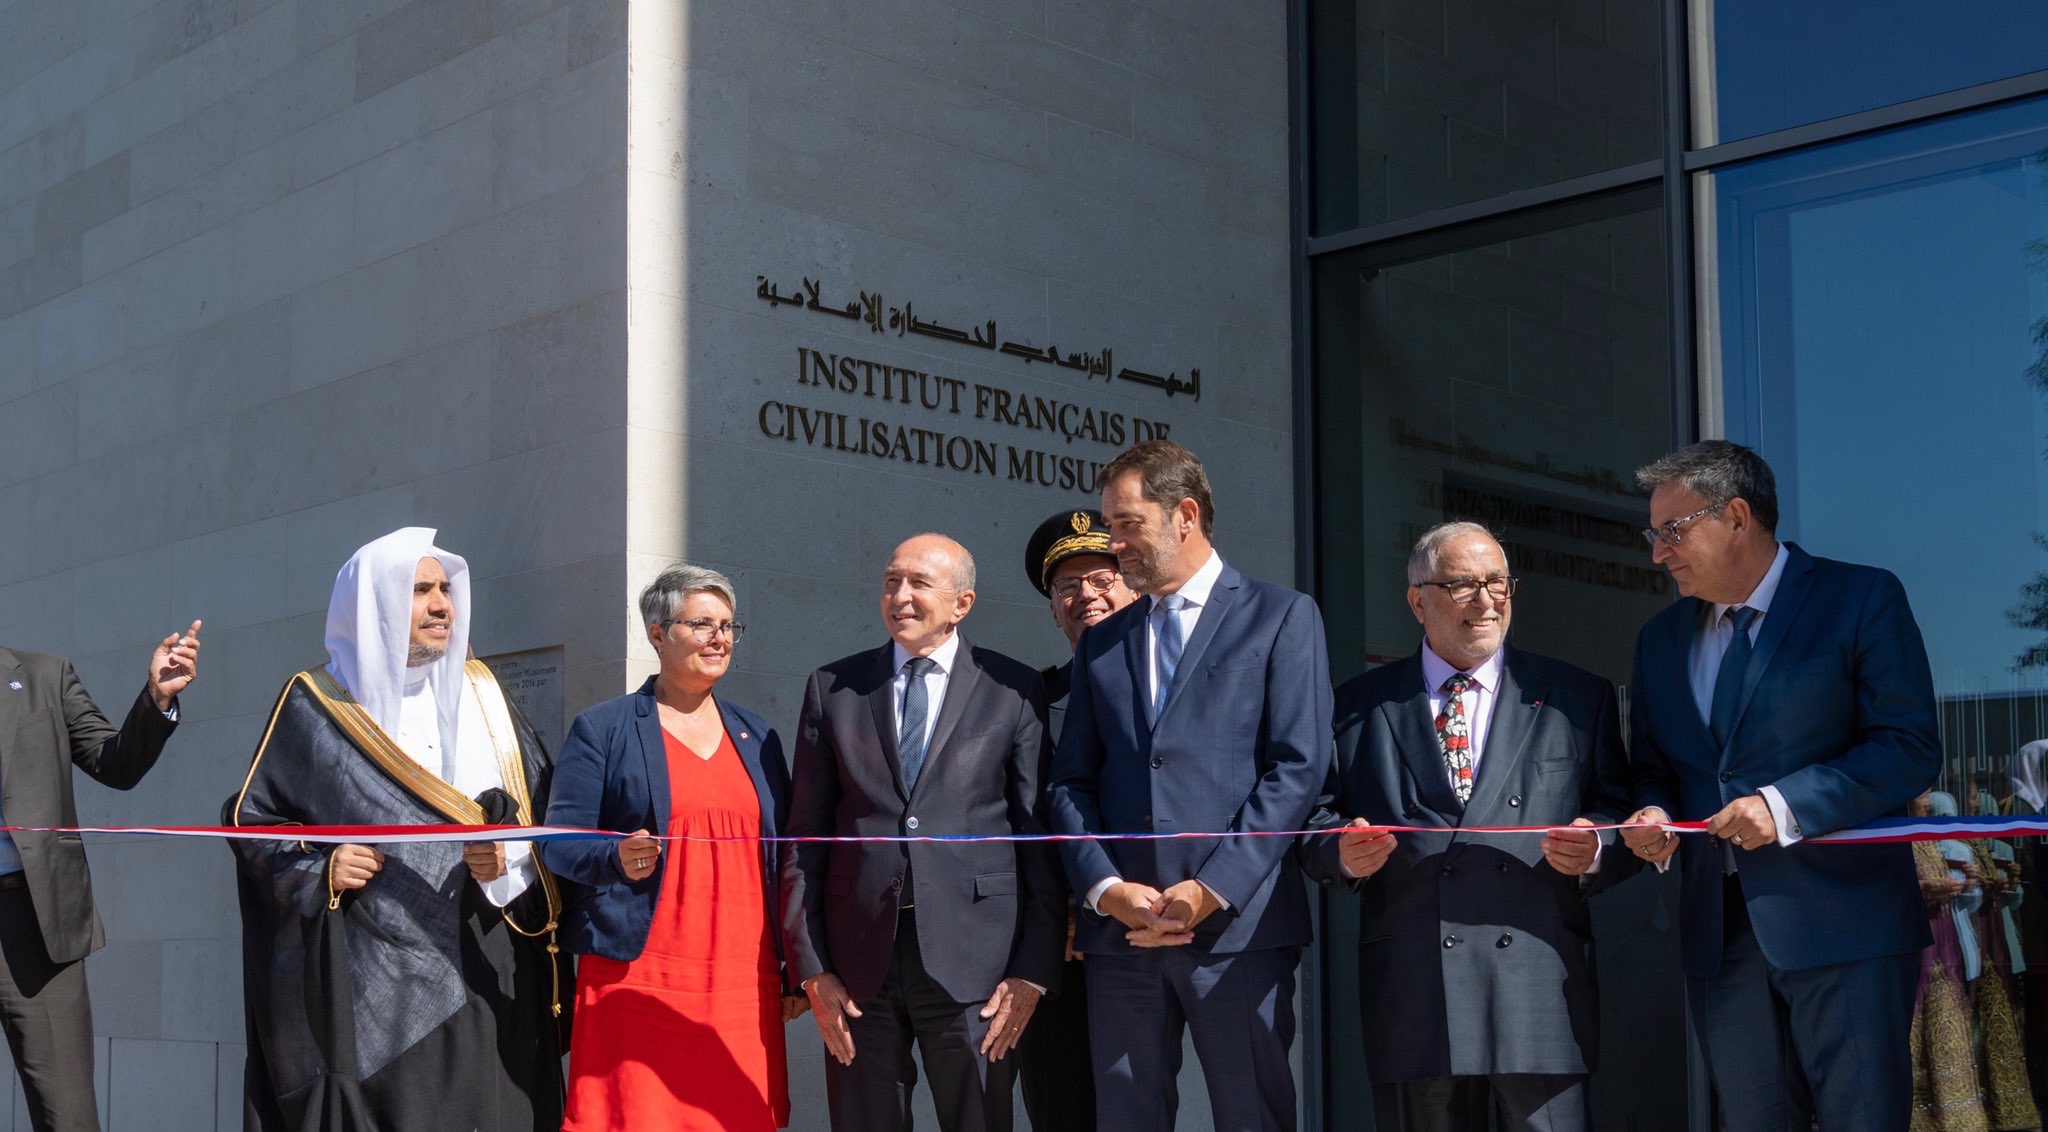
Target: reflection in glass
x: 1424, y: 104
x: 1882, y: 315
x: 1518, y: 382
x: 1764, y: 65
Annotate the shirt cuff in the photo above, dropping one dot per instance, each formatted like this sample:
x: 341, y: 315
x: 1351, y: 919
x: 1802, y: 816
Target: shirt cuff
x: 519, y: 875
x: 171, y: 713
x: 1033, y: 986
x: 1220, y: 902
x: 1781, y: 816
x: 1095, y: 894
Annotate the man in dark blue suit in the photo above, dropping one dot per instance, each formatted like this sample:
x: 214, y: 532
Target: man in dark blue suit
x: 1205, y: 709
x: 1785, y: 697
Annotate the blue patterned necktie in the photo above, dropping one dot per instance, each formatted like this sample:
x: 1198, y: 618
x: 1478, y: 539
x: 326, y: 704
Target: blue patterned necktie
x: 1170, y: 645
x: 910, y: 738
x: 1728, y: 680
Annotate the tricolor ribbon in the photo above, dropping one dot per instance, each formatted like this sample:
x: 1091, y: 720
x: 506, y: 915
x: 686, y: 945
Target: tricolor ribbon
x: 1880, y: 831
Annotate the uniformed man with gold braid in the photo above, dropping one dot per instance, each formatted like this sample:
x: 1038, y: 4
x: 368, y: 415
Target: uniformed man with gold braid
x: 1068, y: 559
x: 416, y: 986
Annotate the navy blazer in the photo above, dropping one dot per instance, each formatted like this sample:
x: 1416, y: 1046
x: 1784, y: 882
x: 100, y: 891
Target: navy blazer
x: 612, y: 774
x: 1244, y: 744
x: 986, y: 910
x: 1837, y: 712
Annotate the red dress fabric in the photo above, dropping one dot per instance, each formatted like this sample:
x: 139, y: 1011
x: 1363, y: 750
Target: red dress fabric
x: 689, y: 1035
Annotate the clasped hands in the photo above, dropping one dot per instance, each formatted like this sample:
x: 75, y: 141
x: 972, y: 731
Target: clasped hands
x: 1364, y: 847
x: 1155, y: 918
x: 354, y: 865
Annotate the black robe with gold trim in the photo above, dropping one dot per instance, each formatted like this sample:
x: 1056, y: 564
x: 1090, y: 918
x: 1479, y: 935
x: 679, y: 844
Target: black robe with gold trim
x: 412, y: 1002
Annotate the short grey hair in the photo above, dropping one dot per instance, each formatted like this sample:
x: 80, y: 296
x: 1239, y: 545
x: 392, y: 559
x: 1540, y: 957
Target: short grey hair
x: 1718, y: 471
x: 663, y: 597
x: 1430, y: 547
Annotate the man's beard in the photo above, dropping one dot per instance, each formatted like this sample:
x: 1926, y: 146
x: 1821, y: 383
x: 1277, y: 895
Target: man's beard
x: 1151, y: 569
x: 418, y: 655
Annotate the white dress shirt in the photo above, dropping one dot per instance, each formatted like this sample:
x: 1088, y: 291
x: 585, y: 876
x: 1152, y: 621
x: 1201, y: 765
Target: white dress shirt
x: 471, y: 771
x: 935, y: 683
x: 1711, y: 643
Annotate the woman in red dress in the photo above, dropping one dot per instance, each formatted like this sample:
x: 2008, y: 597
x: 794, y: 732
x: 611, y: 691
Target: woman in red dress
x: 680, y: 998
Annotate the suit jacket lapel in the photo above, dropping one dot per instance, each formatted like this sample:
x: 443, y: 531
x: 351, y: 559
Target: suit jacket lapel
x: 961, y: 684
x: 1507, y: 734
x: 747, y: 742
x: 12, y: 701
x: 1136, y: 634
x: 13, y: 705
x: 1207, y: 623
x: 1680, y: 635
x: 654, y: 753
x: 882, y: 704
x: 1414, y: 727
x: 1793, y: 586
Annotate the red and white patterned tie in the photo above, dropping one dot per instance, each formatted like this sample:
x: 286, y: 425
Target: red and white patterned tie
x: 1454, y: 736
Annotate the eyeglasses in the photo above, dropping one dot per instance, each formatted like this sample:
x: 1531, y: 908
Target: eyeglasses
x: 704, y: 630
x: 1463, y: 590
x: 1100, y: 581
x: 1669, y: 534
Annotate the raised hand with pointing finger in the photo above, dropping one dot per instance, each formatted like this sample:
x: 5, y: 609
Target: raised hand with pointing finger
x: 173, y: 666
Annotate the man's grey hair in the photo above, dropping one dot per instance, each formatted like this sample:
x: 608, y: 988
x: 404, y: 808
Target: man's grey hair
x: 1430, y: 547
x: 663, y: 597
x: 1718, y: 471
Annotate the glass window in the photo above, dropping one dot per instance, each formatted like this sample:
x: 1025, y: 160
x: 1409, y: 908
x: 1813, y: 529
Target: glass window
x: 1517, y: 378
x: 1519, y: 383
x: 1424, y: 104
x: 1764, y: 65
x: 1880, y: 333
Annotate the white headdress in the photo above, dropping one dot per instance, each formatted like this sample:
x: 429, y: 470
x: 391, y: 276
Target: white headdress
x: 369, y: 628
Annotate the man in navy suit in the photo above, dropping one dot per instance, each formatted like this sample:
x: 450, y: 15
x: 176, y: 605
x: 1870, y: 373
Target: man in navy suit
x: 1204, y: 709
x: 1785, y: 697
x: 946, y: 945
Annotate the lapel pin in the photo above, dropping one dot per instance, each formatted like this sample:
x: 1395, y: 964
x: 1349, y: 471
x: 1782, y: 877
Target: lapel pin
x: 14, y: 684
x: 743, y: 734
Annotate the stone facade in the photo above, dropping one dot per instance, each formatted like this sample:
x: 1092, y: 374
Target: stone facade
x: 277, y: 276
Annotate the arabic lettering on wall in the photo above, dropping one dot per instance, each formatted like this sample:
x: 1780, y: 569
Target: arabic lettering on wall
x: 880, y: 318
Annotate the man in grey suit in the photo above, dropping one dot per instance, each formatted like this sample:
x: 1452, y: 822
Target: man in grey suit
x: 1476, y: 954
x: 945, y: 945
x: 47, y: 922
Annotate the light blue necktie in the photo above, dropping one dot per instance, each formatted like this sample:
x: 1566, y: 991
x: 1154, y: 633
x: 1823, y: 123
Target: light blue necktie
x: 910, y: 739
x: 1170, y: 645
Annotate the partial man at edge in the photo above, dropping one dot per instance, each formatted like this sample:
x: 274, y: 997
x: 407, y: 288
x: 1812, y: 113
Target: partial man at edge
x: 48, y: 724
